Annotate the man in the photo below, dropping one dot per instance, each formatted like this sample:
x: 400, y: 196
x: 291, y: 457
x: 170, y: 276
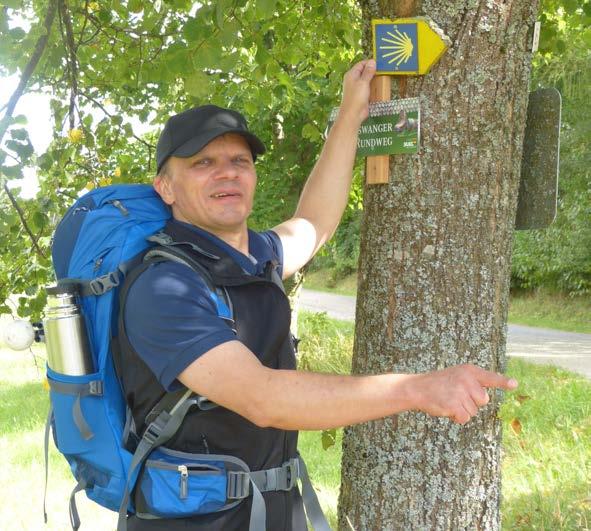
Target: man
x: 245, y: 362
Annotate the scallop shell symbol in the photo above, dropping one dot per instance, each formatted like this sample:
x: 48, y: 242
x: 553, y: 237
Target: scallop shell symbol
x: 400, y: 46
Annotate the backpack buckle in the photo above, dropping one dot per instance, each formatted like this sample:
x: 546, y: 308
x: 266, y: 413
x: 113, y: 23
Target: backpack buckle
x: 238, y: 485
x: 101, y: 285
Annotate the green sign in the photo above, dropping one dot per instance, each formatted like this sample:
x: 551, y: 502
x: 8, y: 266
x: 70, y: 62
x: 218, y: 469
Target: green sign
x: 393, y: 127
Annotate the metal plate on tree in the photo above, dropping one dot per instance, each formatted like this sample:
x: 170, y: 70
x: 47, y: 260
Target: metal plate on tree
x: 538, y: 188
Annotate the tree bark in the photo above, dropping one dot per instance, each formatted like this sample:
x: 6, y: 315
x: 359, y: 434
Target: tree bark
x: 434, y: 271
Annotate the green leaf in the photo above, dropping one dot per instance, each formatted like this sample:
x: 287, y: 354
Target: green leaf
x: 310, y: 132
x: 104, y: 15
x: 197, y: 85
x: 135, y: 6
x: 570, y: 6
x: 12, y: 172
x: 208, y: 55
x: 219, y: 14
x: 39, y: 220
x: 30, y: 290
x: 176, y: 59
x: 18, y: 34
x: 262, y: 56
x: 23, y: 149
x: 329, y: 438
x: 266, y: 7
x: 229, y: 34
x: 13, y: 4
x: 19, y: 134
x: 193, y: 30
x: 560, y: 46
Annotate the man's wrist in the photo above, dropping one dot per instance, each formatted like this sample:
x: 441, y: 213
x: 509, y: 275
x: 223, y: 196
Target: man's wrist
x: 406, y: 392
x: 349, y: 119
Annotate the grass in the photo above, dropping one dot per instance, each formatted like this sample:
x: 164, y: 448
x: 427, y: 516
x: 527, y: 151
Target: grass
x: 547, y: 442
x: 324, y: 280
x: 547, y: 450
x: 538, y: 308
x: 551, y: 310
x: 23, y: 411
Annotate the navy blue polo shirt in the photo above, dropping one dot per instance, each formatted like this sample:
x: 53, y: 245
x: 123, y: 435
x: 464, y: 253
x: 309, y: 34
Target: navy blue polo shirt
x: 171, y: 317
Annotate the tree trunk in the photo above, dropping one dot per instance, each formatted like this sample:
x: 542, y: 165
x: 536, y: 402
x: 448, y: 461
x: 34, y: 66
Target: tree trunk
x: 434, y: 271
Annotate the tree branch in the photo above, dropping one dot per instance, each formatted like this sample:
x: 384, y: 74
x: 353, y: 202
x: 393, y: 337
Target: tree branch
x: 16, y: 95
x: 72, y: 60
x: 29, y: 69
x: 21, y: 215
x: 86, y: 13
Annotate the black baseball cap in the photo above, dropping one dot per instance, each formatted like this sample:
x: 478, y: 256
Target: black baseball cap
x: 190, y: 131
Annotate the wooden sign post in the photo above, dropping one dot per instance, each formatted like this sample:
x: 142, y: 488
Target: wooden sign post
x: 377, y: 169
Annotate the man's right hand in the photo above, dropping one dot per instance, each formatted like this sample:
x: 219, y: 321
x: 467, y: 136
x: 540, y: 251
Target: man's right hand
x: 356, y: 91
x: 456, y: 392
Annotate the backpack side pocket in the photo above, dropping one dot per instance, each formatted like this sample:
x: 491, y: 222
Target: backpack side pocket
x: 177, y: 484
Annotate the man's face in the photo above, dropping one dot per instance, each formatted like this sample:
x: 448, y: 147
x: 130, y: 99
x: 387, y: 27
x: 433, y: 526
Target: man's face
x: 213, y: 189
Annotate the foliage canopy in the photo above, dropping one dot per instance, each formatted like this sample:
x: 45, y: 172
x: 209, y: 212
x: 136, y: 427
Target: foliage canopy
x: 114, y: 72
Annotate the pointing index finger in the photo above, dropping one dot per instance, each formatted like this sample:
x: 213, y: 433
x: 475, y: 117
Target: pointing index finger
x: 496, y: 380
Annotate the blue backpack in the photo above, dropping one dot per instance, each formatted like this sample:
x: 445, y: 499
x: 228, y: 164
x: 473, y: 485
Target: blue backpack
x: 102, y: 237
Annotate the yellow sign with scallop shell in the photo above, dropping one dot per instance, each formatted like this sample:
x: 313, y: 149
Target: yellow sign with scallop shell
x: 407, y: 46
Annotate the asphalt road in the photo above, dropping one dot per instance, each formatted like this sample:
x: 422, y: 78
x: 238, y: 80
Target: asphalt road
x: 539, y: 345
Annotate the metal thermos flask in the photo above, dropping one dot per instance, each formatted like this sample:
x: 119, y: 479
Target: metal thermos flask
x: 68, y: 349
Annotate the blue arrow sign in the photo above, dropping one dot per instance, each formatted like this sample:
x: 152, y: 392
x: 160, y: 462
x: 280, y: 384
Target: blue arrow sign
x: 396, y: 47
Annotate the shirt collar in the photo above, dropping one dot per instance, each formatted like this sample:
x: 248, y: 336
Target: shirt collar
x: 258, y: 248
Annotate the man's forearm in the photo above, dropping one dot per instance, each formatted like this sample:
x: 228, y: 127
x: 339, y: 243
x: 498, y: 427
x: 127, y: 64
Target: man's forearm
x: 325, y: 195
x: 299, y: 400
x: 302, y: 400
x: 289, y: 399
x: 326, y: 192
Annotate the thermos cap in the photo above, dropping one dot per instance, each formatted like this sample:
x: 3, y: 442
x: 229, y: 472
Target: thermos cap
x: 63, y: 289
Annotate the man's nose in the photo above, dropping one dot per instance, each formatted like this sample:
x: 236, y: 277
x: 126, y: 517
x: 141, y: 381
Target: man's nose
x: 225, y: 169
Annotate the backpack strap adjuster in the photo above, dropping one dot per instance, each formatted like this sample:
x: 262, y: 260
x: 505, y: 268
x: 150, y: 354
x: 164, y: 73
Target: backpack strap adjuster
x: 154, y: 429
x: 238, y: 485
x: 292, y: 471
x: 95, y: 388
x: 283, y: 477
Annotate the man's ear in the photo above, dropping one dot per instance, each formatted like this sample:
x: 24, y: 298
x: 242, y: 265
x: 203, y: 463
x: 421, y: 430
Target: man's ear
x: 162, y: 186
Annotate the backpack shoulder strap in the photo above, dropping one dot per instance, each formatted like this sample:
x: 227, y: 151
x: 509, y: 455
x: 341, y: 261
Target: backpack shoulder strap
x: 175, y: 253
x: 162, y: 253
